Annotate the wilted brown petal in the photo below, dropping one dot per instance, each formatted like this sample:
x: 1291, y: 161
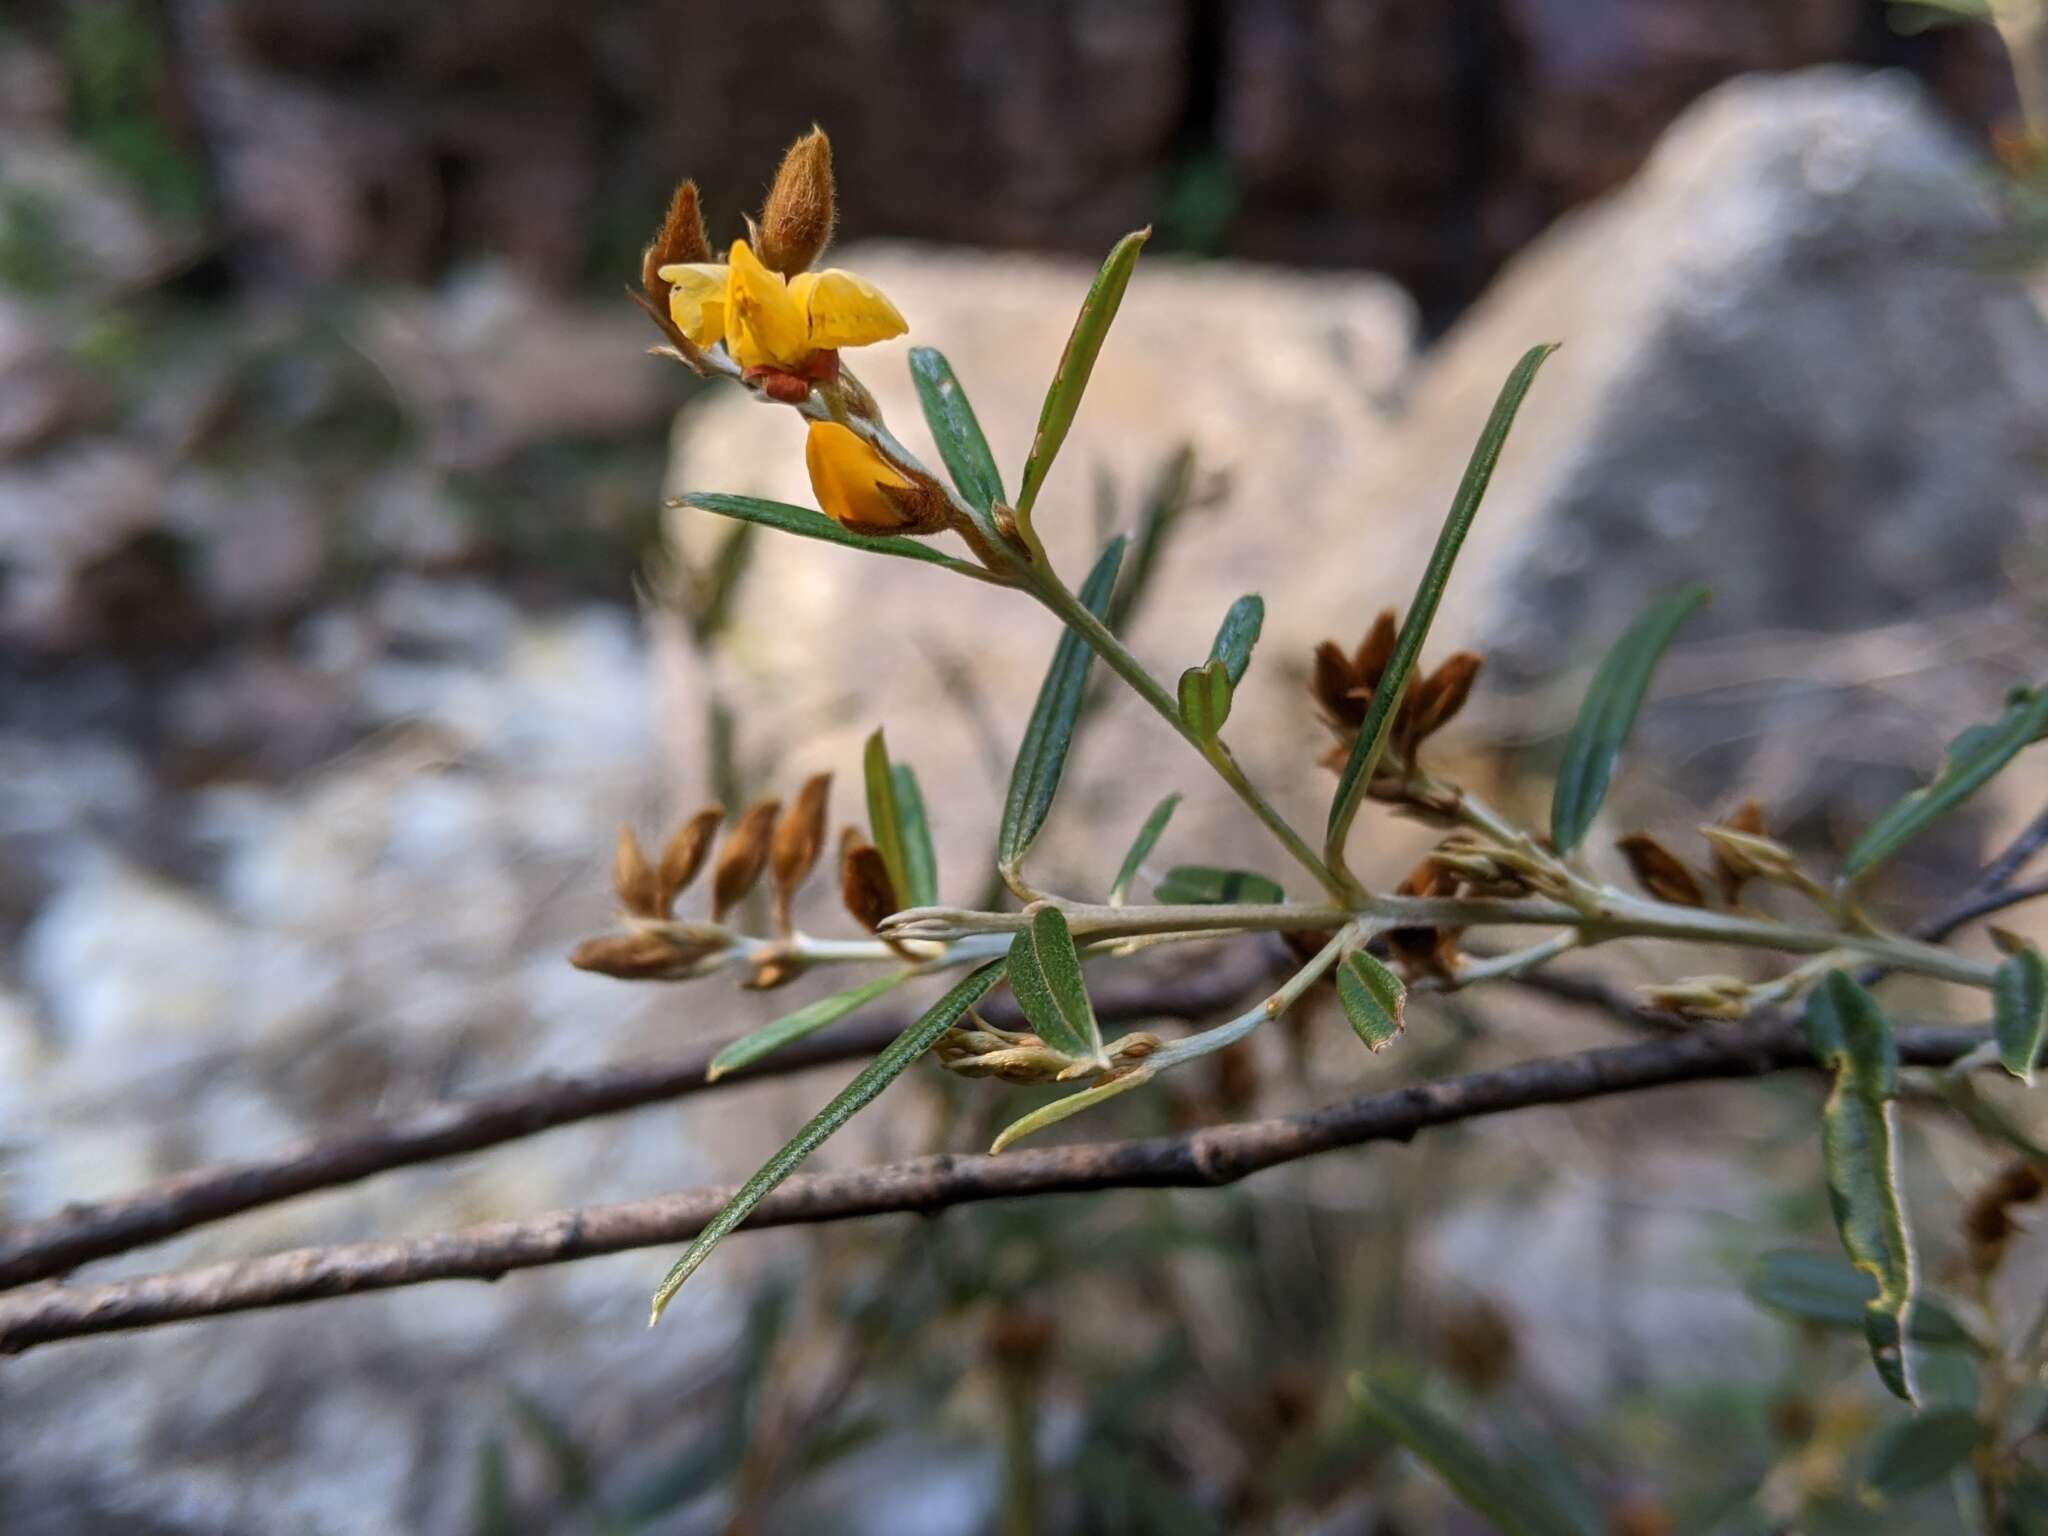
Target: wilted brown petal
x: 1332, y: 682
x: 864, y: 883
x: 633, y: 877
x: 799, y: 839
x: 1440, y: 698
x: 1377, y: 648
x: 1731, y: 873
x: 1661, y: 872
x: 685, y: 854
x: 743, y: 858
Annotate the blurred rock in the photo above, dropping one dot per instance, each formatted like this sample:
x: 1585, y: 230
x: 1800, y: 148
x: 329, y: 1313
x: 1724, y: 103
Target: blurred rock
x: 1788, y: 371
x: 1284, y: 383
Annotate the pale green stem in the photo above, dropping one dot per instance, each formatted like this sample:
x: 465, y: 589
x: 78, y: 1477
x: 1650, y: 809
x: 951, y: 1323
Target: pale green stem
x: 1051, y: 591
x: 1515, y: 962
x: 1210, y: 1041
x: 1621, y: 917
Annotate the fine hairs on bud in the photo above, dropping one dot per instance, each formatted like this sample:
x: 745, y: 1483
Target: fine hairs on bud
x: 681, y: 238
x: 796, y: 220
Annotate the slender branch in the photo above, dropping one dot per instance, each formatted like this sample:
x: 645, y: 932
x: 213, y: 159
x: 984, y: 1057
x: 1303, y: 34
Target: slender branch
x: 1051, y: 591
x: 1207, y: 1158
x: 57, y: 1244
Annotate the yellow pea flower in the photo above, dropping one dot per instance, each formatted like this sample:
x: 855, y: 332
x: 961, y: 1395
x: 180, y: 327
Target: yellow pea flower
x: 774, y: 323
x: 860, y: 490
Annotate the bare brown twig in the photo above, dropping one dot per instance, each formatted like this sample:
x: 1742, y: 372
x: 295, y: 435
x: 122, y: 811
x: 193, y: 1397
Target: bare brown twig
x: 57, y: 1244
x: 1206, y: 1158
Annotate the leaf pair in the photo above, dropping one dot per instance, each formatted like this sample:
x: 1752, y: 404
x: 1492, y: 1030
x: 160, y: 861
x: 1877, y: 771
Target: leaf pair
x: 896, y: 821
x: 1206, y: 691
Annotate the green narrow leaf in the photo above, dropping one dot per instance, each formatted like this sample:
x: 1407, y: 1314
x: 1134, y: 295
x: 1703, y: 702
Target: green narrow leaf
x: 1379, y: 717
x: 1918, y: 1452
x: 1141, y: 848
x: 2019, y: 1009
x: 1829, y: 1293
x: 951, y: 418
x: 856, y: 1096
x: 1045, y: 973
x: 920, y: 863
x: 1374, y: 1000
x: 1204, y: 696
x: 1238, y: 634
x: 1043, y: 756
x: 1084, y: 344
x: 1072, y: 1104
x: 885, y: 816
x: 1852, y: 1037
x: 807, y: 1020
x: 1514, y: 1504
x: 1973, y: 759
x: 1608, y: 713
x: 809, y: 524
x: 1199, y: 885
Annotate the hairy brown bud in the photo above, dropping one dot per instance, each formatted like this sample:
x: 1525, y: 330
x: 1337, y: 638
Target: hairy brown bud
x: 685, y: 854
x: 743, y: 858
x: 864, y: 883
x: 633, y: 878
x: 1661, y: 872
x: 799, y: 839
x: 796, y: 220
x: 680, y: 238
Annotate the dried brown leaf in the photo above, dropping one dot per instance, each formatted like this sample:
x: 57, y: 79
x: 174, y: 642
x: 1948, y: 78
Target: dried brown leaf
x: 633, y: 877
x: 864, y: 883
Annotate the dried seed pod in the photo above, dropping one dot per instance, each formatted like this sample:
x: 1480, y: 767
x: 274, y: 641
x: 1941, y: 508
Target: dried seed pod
x: 648, y: 955
x: 1661, y: 872
x: 864, y: 884
x: 633, y: 878
x: 743, y: 857
x: 799, y: 839
x: 796, y: 220
x: 681, y: 238
x: 685, y: 854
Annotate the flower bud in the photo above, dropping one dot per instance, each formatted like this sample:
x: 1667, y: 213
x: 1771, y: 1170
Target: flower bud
x: 863, y: 492
x: 681, y: 238
x: 796, y: 221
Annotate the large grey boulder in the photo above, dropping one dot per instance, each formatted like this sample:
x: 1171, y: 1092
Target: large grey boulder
x: 1790, y: 370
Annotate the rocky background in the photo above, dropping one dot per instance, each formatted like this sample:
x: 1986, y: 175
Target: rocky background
x: 329, y: 466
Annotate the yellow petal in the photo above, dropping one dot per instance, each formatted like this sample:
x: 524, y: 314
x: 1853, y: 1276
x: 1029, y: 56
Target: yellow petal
x: 764, y: 325
x: 843, y: 310
x: 846, y: 476
x: 696, y: 299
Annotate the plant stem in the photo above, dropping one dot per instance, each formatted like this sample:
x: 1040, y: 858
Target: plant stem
x: 1209, y: 1041
x: 1053, y: 593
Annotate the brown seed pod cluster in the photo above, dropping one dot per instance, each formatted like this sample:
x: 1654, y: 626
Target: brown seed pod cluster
x: 783, y: 843
x: 1740, y: 850
x: 1343, y: 684
x: 1427, y: 951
